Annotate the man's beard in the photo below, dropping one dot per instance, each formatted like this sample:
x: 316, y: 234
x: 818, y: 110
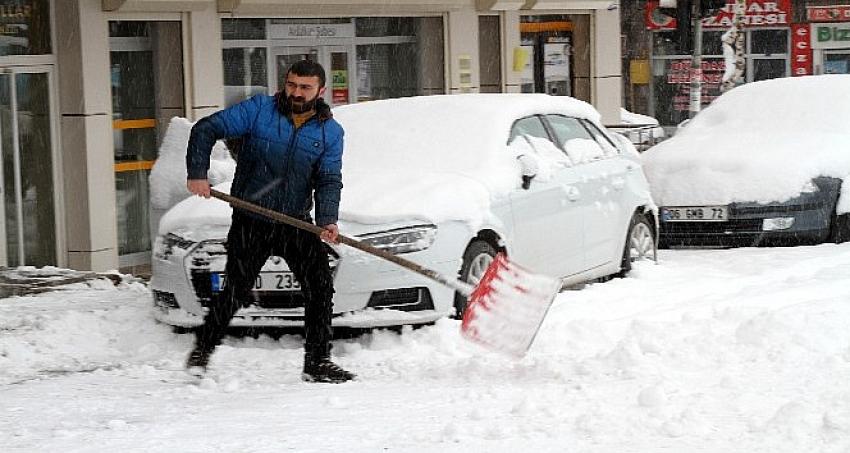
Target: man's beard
x: 302, y: 105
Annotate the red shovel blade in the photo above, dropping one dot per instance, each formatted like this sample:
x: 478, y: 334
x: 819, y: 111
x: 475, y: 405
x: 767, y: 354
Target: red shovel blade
x: 507, y: 307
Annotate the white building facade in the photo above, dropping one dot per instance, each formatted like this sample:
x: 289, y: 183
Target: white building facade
x: 88, y: 86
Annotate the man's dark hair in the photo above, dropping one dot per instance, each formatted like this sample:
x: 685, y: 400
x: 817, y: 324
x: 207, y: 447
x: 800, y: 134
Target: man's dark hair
x: 308, y: 68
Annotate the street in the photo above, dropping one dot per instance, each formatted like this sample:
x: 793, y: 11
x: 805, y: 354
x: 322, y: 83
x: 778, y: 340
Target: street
x: 706, y: 351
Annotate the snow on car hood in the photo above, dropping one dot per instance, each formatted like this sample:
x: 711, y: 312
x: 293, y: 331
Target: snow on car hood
x: 198, y: 219
x: 420, y: 159
x: 761, y: 142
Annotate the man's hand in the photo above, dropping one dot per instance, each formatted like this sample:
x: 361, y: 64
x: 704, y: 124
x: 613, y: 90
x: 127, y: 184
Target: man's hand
x: 199, y: 187
x: 330, y: 234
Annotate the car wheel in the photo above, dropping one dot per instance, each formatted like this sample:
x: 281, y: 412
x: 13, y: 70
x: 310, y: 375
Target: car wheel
x: 840, y: 229
x: 640, y: 243
x: 476, y: 260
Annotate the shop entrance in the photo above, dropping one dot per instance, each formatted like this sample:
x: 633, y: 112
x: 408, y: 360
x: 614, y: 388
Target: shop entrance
x: 337, y: 61
x: 146, y: 65
x: 548, y: 45
x: 28, y: 207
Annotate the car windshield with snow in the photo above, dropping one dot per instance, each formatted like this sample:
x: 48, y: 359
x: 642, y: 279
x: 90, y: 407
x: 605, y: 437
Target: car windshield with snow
x: 448, y: 181
x: 766, y: 163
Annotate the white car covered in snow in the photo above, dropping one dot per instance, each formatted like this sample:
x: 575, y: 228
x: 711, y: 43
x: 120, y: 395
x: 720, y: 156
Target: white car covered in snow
x: 766, y: 163
x: 448, y: 181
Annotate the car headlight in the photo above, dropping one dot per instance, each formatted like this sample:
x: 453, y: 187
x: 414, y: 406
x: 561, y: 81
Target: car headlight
x: 402, y: 240
x: 164, y: 246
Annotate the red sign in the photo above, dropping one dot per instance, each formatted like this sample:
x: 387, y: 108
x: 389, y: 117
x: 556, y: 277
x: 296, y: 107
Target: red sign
x: 339, y: 96
x: 801, y: 50
x: 758, y: 13
x: 655, y: 19
x: 828, y: 13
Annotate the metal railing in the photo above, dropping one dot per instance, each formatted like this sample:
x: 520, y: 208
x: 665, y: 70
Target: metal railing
x: 643, y: 136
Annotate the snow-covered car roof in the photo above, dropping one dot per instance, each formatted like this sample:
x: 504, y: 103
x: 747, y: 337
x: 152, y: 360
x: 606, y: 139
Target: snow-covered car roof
x: 760, y: 142
x: 435, y: 157
x: 427, y: 158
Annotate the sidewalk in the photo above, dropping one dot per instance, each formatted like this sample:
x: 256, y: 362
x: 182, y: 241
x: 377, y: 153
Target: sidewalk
x: 25, y: 280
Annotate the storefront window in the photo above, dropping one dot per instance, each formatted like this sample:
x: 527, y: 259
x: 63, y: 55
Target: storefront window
x: 712, y: 43
x: 767, y: 58
x: 671, y: 86
x: 147, y: 91
x: 245, y: 73
x: 375, y: 27
x: 385, y: 72
x: 232, y: 29
x: 837, y: 62
x: 764, y: 69
x: 665, y: 43
x: 24, y: 27
x: 769, y: 42
x: 365, y: 58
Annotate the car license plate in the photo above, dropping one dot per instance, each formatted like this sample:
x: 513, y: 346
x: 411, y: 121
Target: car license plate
x: 266, y: 281
x: 695, y: 214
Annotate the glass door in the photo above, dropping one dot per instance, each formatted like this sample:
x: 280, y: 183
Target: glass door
x: 28, y: 206
x: 284, y: 57
x: 337, y: 61
x: 147, y: 91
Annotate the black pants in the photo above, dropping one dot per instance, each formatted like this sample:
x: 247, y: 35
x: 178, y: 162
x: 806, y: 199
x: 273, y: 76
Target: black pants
x: 250, y: 242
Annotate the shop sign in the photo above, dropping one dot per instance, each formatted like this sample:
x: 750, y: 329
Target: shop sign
x: 758, y: 13
x: 655, y: 19
x: 311, y: 31
x: 831, y: 36
x: 801, y: 50
x: 837, y: 13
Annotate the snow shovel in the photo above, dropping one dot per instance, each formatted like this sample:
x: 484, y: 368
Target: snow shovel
x: 504, y: 310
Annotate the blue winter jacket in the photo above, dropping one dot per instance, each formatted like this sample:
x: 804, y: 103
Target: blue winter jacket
x: 278, y: 166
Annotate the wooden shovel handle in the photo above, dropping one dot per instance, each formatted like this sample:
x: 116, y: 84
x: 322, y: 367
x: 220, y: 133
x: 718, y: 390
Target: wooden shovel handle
x: 238, y: 203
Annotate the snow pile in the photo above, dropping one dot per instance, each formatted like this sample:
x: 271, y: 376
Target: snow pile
x: 168, y: 175
x: 761, y: 142
x: 710, y: 351
x: 81, y: 328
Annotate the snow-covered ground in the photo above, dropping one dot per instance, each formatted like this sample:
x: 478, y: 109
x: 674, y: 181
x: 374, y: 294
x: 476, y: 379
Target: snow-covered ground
x: 709, y: 351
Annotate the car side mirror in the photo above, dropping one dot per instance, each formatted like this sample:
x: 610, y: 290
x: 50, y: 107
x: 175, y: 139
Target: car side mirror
x: 529, y: 168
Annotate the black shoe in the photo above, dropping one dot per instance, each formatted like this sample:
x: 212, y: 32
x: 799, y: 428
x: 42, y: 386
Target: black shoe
x: 198, y: 360
x: 323, y: 370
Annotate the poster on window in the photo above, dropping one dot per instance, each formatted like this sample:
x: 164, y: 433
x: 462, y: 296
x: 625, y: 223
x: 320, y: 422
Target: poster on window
x: 672, y: 87
x: 339, y: 86
x: 527, y: 73
x: 364, y: 83
x: 556, y: 68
